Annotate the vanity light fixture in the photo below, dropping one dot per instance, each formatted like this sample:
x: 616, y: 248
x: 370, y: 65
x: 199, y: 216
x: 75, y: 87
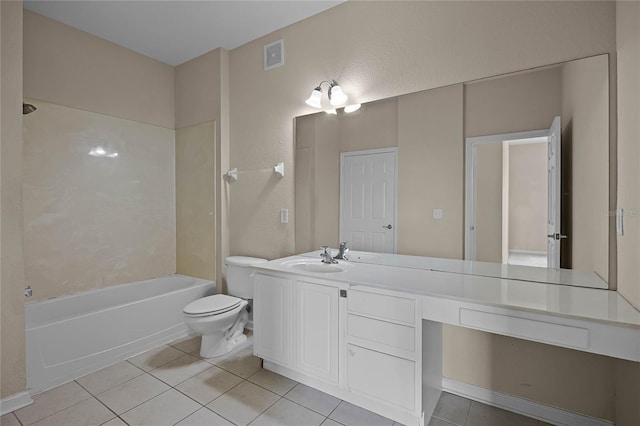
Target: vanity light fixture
x: 335, y: 93
x: 352, y: 108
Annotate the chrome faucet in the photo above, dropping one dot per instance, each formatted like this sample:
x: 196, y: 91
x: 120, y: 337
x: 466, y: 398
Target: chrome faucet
x: 342, y: 251
x: 326, y: 255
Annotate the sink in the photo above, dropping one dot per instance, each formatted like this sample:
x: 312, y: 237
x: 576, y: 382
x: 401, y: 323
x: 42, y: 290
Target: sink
x: 314, y: 266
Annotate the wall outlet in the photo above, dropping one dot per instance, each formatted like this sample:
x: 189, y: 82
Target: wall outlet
x: 438, y: 213
x: 284, y: 215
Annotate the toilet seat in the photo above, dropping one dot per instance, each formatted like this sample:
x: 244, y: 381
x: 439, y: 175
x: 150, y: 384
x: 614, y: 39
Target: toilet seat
x: 212, y: 305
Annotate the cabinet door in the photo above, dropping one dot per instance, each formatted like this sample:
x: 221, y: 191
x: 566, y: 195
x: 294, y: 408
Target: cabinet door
x: 317, y: 334
x: 272, y: 318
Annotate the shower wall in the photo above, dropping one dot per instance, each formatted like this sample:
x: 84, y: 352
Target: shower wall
x: 99, y: 200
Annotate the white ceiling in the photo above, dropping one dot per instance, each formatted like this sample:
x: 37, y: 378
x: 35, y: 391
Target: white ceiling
x: 179, y: 30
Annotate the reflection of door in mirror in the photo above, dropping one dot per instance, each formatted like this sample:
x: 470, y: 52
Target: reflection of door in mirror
x: 368, y: 200
x: 512, y: 199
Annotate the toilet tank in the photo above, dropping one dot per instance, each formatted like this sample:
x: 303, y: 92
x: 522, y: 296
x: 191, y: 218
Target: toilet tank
x: 239, y: 281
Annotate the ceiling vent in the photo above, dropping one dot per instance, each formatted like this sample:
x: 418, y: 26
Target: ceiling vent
x: 273, y: 55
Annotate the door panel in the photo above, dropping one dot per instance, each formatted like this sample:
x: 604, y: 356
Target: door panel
x: 368, y: 200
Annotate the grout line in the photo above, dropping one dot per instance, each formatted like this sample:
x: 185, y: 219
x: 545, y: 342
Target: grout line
x: 263, y: 411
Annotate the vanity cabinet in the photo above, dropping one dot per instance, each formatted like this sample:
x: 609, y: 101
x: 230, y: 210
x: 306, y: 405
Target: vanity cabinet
x: 272, y: 318
x: 317, y: 319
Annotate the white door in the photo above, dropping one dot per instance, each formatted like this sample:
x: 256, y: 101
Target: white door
x: 368, y: 200
x: 553, y: 215
x: 317, y: 314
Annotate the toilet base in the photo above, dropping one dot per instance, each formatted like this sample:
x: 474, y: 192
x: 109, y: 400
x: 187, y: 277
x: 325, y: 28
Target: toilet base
x: 218, y: 344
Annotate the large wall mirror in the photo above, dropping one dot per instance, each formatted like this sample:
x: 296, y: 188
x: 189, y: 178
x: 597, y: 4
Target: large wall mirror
x: 401, y: 165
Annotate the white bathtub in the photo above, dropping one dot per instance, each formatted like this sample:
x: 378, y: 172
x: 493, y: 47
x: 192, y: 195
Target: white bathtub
x: 69, y: 336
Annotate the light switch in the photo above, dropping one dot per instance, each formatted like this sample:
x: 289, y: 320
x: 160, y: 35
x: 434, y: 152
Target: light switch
x: 284, y: 215
x: 437, y: 213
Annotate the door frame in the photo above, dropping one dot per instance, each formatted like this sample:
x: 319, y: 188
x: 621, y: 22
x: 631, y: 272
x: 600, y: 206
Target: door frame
x: 470, y: 176
x: 394, y: 151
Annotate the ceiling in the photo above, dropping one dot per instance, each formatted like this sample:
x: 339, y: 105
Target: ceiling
x: 176, y: 31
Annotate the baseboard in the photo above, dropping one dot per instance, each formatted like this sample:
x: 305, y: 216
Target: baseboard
x: 536, y: 410
x: 538, y: 253
x: 12, y: 403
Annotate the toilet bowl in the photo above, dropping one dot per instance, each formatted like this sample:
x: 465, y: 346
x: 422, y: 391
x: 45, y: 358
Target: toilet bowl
x: 221, y: 318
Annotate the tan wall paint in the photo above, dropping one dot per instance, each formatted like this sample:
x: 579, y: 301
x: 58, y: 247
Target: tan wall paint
x: 628, y: 67
x: 528, y: 197
x: 400, y: 47
x: 199, y: 106
x: 585, y: 105
x: 66, y: 66
x: 12, y: 281
x: 320, y: 140
x: 430, y: 154
x: 195, y: 195
x: 489, y: 202
x: 628, y: 37
x: 391, y: 52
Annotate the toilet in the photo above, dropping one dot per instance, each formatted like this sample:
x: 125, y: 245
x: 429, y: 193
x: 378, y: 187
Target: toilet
x: 221, y: 318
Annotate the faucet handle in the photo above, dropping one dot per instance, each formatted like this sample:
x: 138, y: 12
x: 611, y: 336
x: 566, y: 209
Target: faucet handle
x: 325, y: 250
x: 343, y: 245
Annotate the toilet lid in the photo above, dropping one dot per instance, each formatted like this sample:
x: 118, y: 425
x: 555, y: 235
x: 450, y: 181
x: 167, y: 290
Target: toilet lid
x: 216, y: 304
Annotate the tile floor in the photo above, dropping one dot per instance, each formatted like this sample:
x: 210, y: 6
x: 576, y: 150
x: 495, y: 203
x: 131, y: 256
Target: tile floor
x: 171, y: 385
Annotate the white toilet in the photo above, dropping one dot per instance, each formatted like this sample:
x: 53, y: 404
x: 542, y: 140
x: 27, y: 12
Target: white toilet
x: 221, y: 318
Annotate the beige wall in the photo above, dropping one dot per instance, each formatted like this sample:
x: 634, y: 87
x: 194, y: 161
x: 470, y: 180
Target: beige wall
x: 66, y: 66
x: 430, y: 173
x: 320, y: 140
x: 90, y: 222
x: 628, y: 38
x: 195, y: 198
x: 401, y: 48
x: 489, y: 202
x: 199, y: 106
x: 12, y: 341
x: 585, y: 122
x: 528, y: 197
x: 628, y: 65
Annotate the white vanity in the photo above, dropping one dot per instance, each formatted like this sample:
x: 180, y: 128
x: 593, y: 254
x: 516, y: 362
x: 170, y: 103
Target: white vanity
x: 371, y: 333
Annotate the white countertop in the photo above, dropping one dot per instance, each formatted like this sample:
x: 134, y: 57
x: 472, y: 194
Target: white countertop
x: 410, y: 274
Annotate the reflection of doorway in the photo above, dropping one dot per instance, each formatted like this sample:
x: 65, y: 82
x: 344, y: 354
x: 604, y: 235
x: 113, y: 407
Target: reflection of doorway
x: 512, y: 201
x: 368, y: 200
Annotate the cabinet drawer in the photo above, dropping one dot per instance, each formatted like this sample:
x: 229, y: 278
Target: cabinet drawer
x: 382, y: 333
x: 384, y: 377
x: 382, y: 306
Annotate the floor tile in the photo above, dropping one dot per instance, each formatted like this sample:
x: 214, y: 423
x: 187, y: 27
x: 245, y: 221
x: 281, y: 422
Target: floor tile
x: 116, y: 421
x: 165, y: 409
x: 9, y: 420
x: 287, y: 413
x: 208, y: 385
x: 483, y: 415
x: 129, y: 394
x: 243, y: 403
x: 434, y: 421
x: 155, y: 357
x: 309, y: 397
x: 89, y: 412
x: 187, y: 344
x: 351, y: 415
x: 272, y: 381
x: 452, y: 408
x: 52, y: 401
x: 204, y: 416
x: 329, y: 422
x: 242, y: 363
x: 180, y: 369
x: 109, y: 377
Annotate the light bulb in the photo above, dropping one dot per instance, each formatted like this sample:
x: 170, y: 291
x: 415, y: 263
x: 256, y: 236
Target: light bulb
x: 337, y: 96
x: 315, y: 100
x: 352, y: 108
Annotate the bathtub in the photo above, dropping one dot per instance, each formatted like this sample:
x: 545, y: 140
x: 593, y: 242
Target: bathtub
x: 70, y: 336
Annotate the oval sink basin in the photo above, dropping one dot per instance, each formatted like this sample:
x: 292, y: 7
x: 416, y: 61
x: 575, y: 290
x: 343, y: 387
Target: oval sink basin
x: 318, y: 267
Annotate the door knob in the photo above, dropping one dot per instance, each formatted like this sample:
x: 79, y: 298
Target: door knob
x: 387, y: 226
